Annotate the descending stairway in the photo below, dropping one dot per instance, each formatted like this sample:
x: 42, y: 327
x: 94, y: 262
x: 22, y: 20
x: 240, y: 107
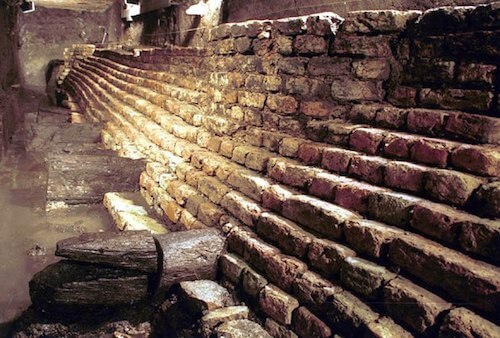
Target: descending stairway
x: 351, y: 216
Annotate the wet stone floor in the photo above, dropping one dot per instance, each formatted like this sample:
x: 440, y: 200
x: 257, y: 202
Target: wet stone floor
x: 28, y: 234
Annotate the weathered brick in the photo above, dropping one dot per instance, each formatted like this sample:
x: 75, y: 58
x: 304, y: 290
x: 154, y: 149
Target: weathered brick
x: 365, y: 277
x: 378, y: 21
x: 461, y: 322
x: 474, y: 127
x: 354, y: 195
x: 371, y: 69
x: 290, y: 146
x: 249, y: 99
x: 398, y: 145
x: 246, y: 244
x: 241, y: 207
x: 404, y: 176
x: 451, y: 186
x: 413, y: 305
x: 368, y: 168
x: 209, y: 214
x: 284, y: 44
x: 310, y: 44
x: 252, y: 282
x: 386, y: 327
x: 366, y: 140
x: 317, y: 215
x: 327, y: 256
x: 314, y: 290
x: 332, y: 66
x: 231, y: 267
x: 289, y: 237
x: 425, y: 121
x: 430, y: 152
x: 277, y: 304
x: 403, y: 96
x: 456, y: 274
x: 240, y: 153
x: 293, y: 66
x: 487, y: 199
x: 352, y: 90
x: 274, y: 196
x: 391, y: 207
x: 310, y: 153
x: 306, y: 324
x: 337, y: 159
x: 317, y: 109
x: 291, y: 26
x: 391, y: 117
x: 291, y: 173
x: 460, y: 99
x: 370, y: 237
x: 298, y: 85
x: 478, y: 160
x: 282, y: 104
x: 282, y: 270
x: 377, y: 46
x: 324, y: 185
x: 476, y: 73
x: 243, y: 45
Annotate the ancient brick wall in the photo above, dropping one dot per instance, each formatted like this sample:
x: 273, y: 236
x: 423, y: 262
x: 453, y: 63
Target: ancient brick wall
x: 352, y: 163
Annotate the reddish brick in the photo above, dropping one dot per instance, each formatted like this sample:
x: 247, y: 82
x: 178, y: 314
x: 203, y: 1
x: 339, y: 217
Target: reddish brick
x: 291, y: 173
x: 243, y: 208
x: 398, y: 145
x: 317, y: 109
x: 403, y: 96
x: 478, y: 128
x: 310, y: 44
x: 366, y: 140
x: 391, y: 117
x: 456, y: 274
x: 337, y: 159
x: 277, y: 330
x: 426, y: 121
x: 405, y: 176
x: 274, y: 196
x: 391, y: 207
x: 430, y: 152
x: 306, y: 324
x: 282, y: 104
x: 367, y: 168
x: 310, y: 153
x: 413, y: 305
x: 277, y: 304
x: 478, y: 160
x: 314, y: 290
x: 289, y: 237
x: 282, y: 270
x: 481, y: 237
x: 327, y: 256
x: 251, y: 248
x: 354, y: 195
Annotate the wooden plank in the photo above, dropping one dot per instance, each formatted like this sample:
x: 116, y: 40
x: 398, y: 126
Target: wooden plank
x: 132, y: 250
x: 84, y: 179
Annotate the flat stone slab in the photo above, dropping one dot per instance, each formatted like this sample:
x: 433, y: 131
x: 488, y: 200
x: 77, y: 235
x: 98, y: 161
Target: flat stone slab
x: 67, y: 285
x: 217, y: 317
x: 204, y: 295
x: 84, y: 179
x: 132, y: 250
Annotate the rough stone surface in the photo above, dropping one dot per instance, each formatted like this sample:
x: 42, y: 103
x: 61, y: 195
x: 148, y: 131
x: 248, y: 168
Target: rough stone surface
x: 202, y: 295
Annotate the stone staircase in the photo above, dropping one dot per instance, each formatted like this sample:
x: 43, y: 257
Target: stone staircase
x: 356, y: 200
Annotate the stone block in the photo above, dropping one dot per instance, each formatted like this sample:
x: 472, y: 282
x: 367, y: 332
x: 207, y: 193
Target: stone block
x: 212, y: 188
x: 427, y: 122
x: 413, y: 305
x: 458, y: 275
x: 331, y: 66
x: 403, y: 96
x: 317, y: 215
x: 337, y: 159
x: 477, y: 128
x: 324, y: 185
x: 217, y: 317
x: 290, y: 146
x: 209, y: 214
x: 487, y: 199
x: 315, y: 291
x: 310, y: 153
x: 282, y: 270
x: 355, y: 195
x: 460, y: 99
x: 299, y: 85
x: 478, y: 160
x: 450, y: 186
x: 370, y: 237
x: 289, y: 237
x: 252, y: 249
x: 277, y: 330
x: 291, y: 173
x: 282, y: 104
x: 431, y: 152
x: 249, y: 183
x: 306, y: 324
x: 252, y: 282
x: 356, y: 90
x: 246, y: 210
x: 374, y: 46
x: 391, y: 117
x: 243, y: 45
x: 476, y: 73
x: 316, y: 109
x: 277, y: 304
x: 465, y: 323
x: 391, y: 207
x: 293, y: 66
x: 241, y: 328
x: 368, y: 168
x: 372, y: 69
x: 365, y: 277
x: 366, y: 140
x: 327, y: 256
x: 274, y: 196
x: 249, y: 99
x: 323, y: 24
x: 310, y: 45
x: 405, y: 176
x: 385, y: 21
x: 202, y: 295
x: 232, y: 267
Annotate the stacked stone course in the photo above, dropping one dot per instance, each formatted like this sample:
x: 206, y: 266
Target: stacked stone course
x: 353, y: 163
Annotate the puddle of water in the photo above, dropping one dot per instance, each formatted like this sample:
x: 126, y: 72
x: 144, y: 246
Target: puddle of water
x: 28, y: 235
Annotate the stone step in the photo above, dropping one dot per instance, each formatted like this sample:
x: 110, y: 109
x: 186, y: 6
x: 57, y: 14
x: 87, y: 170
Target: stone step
x: 398, y: 206
x: 130, y: 212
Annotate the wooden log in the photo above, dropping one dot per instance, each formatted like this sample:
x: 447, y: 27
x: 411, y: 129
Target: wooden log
x: 68, y: 285
x: 189, y: 255
x: 133, y: 250
x: 84, y: 179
